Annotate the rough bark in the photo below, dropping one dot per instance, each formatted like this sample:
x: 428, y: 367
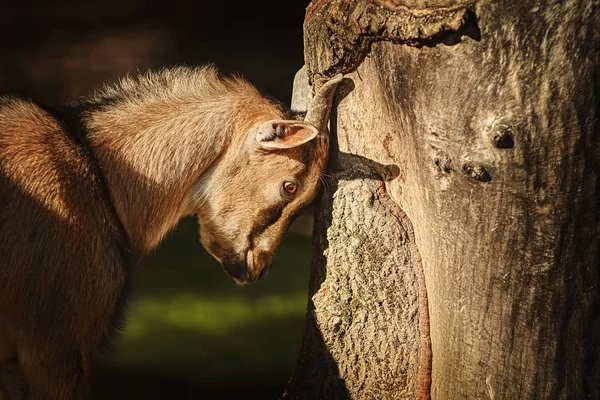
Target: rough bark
x: 368, y: 311
x: 481, y: 123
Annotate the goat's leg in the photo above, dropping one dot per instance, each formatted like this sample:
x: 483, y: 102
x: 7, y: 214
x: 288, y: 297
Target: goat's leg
x: 55, y: 389
x: 12, y: 382
x: 55, y: 377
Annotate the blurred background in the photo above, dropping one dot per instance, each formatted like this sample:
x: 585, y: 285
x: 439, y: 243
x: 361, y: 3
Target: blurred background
x: 191, y: 332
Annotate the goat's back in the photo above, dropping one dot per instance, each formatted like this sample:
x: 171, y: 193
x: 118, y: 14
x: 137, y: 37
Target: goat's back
x: 62, y: 272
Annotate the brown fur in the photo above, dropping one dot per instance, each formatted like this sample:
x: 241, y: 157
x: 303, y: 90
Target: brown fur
x: 88, y: 188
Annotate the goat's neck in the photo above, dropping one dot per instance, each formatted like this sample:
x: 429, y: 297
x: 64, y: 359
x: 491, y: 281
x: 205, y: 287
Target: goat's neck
x: 152, y: 153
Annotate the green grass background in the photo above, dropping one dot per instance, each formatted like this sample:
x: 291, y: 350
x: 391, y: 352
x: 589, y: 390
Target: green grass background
x: 191, y: 332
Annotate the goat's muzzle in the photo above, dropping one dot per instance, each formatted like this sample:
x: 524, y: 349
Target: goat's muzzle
x: 242, y: 268
x: 237, y: 268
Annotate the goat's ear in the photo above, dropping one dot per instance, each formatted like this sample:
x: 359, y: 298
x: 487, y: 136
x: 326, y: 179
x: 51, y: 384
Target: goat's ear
x: 284, y: 134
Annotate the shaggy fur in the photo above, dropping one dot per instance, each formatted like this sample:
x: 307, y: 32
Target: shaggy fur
x: 86, y: 189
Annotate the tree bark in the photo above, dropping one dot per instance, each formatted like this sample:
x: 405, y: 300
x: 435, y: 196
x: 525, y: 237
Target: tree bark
x: 457, y: 241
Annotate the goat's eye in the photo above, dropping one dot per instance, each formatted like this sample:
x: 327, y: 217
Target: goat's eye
x: 290, y: 188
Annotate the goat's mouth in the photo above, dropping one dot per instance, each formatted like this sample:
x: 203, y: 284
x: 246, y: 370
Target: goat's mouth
x: 264, y: 271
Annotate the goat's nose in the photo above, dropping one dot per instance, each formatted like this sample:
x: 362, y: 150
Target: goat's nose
x: 236, y: 267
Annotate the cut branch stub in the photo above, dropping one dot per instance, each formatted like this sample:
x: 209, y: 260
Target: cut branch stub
x: 301, y: 92
x: 341, y: 31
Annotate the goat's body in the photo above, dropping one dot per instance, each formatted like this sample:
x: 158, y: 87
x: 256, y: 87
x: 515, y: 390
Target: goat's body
x: 63, y: 275
x: 86, y: 189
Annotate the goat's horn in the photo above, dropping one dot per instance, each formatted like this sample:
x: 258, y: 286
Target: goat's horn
x: 320, y: 105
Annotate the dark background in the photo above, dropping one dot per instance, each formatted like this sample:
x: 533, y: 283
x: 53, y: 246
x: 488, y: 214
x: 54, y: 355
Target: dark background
x: 191, y: 333
x: 56, y: 51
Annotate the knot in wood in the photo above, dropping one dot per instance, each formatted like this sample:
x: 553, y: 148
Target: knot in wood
x: 477, y: 172
x: 501, y: 135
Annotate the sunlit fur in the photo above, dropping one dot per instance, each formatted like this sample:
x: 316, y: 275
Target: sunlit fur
x: 86, y: 189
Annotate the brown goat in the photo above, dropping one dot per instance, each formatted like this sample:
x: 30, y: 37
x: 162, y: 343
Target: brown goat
x: 86, y: 189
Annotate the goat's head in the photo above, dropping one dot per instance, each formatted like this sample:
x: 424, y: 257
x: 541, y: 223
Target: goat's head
x: 260, y: 184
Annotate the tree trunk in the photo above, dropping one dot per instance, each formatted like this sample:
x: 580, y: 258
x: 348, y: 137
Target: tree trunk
x: 457, y: 241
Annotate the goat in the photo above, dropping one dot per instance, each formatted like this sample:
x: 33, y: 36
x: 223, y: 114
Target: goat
x: 88, y: 188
